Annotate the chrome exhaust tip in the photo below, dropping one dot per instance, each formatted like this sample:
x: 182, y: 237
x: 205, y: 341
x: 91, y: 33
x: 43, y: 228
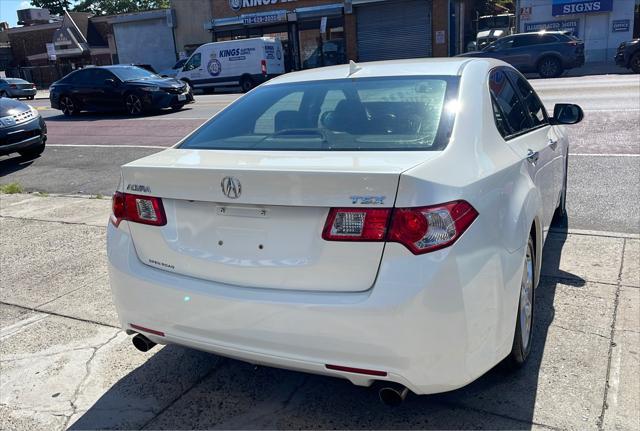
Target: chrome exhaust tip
x: 142, y: 343
x: 393, y: 396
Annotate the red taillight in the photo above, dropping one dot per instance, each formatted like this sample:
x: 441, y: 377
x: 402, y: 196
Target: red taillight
x: 356, y: 224
x: 263, y: 66
x: 138, y: 209
x: 431, y: 228
x: 421, y: 230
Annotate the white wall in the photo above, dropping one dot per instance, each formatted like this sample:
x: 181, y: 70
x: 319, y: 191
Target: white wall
x: 594, y: 28
x: 145, y: 42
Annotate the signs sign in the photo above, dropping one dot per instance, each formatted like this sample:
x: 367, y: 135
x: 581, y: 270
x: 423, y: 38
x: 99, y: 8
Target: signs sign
x: 621, y: 25
x: 236, y: 5
x: 568, y: 25
x: 570, y: 7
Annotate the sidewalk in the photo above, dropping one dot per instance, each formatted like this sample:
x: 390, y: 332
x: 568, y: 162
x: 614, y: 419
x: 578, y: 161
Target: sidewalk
x: 66, y: 363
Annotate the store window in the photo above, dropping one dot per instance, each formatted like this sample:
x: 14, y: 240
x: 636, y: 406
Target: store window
x: 321, y: 49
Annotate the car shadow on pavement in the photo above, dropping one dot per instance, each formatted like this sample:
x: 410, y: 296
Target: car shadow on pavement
x: 230, y: 394
x: 14, y: 163
x: 111, y: 115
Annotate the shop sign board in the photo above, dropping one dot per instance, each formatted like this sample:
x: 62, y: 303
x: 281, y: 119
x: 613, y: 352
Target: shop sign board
x: 570, y: 7
x: 620, y: 25
x: 567, y: 25
x: 264, y: 18
x: 51, y: 51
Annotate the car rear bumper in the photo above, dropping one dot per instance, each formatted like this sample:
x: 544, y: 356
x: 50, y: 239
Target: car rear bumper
x: 22, y: 136
x: 433, y: 326
x: 19, y: 92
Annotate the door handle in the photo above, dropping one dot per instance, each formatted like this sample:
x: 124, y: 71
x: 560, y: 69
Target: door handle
x: 553, y: 143
x: 532, y: 156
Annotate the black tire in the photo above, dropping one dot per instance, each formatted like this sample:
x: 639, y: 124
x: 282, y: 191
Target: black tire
x: 246, y: 84
x: 177, y: 107
x: 32, y: 152
x: 550, y: 67
x: 523, y: 335
x: 68, y: 106
x: 133, y: 104
x: 31, y: 97
x: 634, y: 63
x: 3, y: 94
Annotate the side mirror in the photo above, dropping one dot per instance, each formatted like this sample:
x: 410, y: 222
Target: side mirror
x: 567, y: 113
x: 110, y: 81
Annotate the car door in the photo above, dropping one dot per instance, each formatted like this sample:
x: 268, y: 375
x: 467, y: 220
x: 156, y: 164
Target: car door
x: 80, y: 88
x: 103, y: 90
x: 500, y: 49
x: 522, y: 51
x: 529, y: 140
x: 552, y: 153
x: 193, y: 69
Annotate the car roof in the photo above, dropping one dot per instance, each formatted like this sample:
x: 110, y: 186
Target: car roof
x: 13, y: 80
x: 542, y: 32
x: 452, y: 66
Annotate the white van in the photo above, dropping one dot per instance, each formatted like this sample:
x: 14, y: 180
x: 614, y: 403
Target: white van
x: 244, y: 62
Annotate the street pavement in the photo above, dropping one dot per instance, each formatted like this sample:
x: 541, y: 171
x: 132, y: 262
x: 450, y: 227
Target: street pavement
x: 64, y: 362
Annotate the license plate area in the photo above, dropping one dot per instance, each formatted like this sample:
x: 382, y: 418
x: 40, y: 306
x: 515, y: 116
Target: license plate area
x: 182, y: 97
x: 232, y: 211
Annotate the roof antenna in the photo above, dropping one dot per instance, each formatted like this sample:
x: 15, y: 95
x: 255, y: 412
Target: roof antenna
x: 353, y: 68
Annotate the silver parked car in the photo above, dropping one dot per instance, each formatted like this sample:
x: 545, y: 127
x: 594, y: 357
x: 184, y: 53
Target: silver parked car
x: 17, y: 88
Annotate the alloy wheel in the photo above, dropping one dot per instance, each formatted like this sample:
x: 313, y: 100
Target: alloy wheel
x: 67, y: 106
x: 549, y: 68
x: 526, y: 299
x: 134, y: 104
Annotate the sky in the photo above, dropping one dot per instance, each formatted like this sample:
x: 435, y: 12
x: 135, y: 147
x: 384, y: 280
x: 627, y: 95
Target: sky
x: 8, y: 10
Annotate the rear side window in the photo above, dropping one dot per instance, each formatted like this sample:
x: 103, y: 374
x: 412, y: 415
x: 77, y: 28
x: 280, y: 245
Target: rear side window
x: 510, y: 115
x: 530, y: 99
x: 365, y: 114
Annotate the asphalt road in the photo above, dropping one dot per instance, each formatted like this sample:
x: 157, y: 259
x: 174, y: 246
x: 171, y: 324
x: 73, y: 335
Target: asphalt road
x: 84, y: 153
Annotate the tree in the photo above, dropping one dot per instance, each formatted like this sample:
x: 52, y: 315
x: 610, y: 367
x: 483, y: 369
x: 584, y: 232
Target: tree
x: 56, y: 7
x: 114, y: 7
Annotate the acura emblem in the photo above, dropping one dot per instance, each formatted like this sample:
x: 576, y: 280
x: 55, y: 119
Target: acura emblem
x: 231, y: 187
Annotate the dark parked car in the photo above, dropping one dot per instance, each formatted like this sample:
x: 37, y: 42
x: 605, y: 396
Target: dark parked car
x: 549, y: 53
x: 17, y: 88
x: 117, y: 87
x: 22, y: 129
x: 628, y: 55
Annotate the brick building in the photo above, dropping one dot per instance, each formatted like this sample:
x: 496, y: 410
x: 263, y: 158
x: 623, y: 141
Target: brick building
x: 77, y: 41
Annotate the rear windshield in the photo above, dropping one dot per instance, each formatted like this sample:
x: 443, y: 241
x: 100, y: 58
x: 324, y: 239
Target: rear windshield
x: 367, y: 114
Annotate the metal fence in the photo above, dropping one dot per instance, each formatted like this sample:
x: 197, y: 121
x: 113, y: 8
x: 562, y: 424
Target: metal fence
x: 42, y: 76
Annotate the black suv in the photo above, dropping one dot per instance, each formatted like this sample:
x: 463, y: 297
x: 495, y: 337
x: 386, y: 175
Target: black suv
x: 549, y: 53
x: 628, y: 55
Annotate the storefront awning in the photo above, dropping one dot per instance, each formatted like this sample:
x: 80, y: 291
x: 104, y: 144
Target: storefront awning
x: 319, y: 11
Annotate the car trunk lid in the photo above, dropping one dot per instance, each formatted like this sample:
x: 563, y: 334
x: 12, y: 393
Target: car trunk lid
x: 266, y: 231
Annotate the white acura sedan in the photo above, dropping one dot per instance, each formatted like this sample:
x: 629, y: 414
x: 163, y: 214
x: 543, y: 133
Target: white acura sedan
x: 375, y: 222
